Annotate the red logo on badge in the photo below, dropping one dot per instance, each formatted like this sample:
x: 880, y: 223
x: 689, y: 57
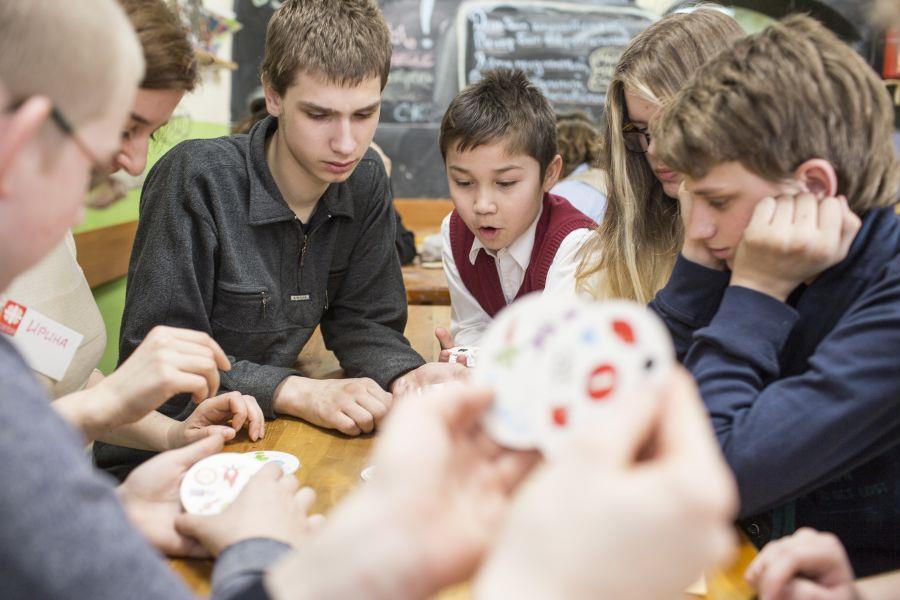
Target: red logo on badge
x: 11, y: 317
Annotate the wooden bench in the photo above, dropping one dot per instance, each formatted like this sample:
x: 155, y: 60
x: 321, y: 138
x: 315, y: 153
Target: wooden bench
x: 104, y: 253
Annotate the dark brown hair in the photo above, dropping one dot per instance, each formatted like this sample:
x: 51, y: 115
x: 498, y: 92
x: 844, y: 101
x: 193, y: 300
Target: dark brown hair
x: 778, y: 98
x: 503, y: 105
x: 168, y: 55
x: 346, y: 41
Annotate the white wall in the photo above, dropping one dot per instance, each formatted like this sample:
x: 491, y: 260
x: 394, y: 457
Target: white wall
x: 657, y: 6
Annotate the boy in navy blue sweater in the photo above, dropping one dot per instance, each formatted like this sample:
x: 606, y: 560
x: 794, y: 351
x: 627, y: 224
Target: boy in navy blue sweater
x: 785, y: 301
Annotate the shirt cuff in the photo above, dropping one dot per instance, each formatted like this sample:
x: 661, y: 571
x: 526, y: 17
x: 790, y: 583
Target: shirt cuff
x: 241, y: 566
x: 751, y: 325
x: 693, y: 292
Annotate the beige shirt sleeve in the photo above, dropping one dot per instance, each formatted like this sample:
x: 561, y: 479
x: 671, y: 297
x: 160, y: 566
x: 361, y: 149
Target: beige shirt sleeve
x: 57, y: 288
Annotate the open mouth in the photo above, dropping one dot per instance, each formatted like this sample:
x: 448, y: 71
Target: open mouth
x: 489, y: 232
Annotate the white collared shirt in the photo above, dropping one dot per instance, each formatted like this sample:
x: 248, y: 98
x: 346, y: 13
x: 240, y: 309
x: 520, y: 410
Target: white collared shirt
x: 467, y: 319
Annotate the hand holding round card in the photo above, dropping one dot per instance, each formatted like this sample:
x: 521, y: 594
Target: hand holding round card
x: 214, y: 482
x: 556, y: 364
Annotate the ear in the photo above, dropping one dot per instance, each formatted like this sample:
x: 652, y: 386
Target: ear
x: 273, y: 99
x: 551, y: 175
x: 818, y: 175
x: 16, y: 130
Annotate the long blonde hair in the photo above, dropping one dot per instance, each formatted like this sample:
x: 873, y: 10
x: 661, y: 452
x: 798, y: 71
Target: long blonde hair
x: 632, y: 252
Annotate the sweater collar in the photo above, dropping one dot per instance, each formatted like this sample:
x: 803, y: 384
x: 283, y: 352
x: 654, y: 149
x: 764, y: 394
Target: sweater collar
x: 876, y: 243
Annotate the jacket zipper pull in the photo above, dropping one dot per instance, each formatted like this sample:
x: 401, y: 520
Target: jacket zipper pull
x: 303, y: 250
x: 264, y: 297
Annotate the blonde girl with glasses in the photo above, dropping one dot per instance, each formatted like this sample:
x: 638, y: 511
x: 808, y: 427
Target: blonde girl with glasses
x: 632, y: 252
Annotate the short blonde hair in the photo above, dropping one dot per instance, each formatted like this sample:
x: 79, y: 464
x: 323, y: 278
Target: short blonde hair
x: 74, y: 53
x: 778, y: 98
x: 346, y: 41
x: 632, y: 253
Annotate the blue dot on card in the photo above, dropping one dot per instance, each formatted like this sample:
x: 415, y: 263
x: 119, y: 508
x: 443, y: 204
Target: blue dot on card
x: 589, y: 336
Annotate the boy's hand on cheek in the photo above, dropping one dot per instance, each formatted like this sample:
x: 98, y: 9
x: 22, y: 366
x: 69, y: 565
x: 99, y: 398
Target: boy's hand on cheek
x: 272, y: 506
x: 792, y: 240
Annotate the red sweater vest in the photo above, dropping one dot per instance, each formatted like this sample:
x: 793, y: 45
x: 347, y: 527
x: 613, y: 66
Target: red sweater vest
x: 558, y: 219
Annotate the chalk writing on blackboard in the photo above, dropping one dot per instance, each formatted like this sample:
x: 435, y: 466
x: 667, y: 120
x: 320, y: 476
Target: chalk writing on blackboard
x: 415, y: 26
x: 568, y: 50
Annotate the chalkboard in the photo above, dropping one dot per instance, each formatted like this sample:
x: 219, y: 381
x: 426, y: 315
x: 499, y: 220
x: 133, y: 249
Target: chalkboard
x: 569, y: 50
x: 439, y: 46
x: 417, y: 28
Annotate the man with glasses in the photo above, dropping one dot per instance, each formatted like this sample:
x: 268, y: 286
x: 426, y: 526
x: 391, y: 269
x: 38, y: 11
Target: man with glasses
x: 69, y: 77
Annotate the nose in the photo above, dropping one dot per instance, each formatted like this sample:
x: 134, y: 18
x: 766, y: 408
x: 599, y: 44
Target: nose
x: 484, y: 202
x: 701, y: 223
x: 343, y: 142
x: 132, y: 156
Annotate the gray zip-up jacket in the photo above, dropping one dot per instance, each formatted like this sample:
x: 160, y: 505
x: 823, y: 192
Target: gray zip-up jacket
x: 219, y: 250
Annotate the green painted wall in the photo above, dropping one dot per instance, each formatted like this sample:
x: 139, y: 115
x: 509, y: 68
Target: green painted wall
x: 111, y: 296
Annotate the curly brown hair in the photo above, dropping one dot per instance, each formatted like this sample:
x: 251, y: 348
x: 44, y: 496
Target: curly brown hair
x: 577, y: 140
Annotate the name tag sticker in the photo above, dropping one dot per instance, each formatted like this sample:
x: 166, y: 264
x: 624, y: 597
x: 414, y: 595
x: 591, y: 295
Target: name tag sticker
x: 300, y: 297
x: 48, y: 346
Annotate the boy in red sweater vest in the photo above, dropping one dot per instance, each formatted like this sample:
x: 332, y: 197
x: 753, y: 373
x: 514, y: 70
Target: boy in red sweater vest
x: 507, y: 236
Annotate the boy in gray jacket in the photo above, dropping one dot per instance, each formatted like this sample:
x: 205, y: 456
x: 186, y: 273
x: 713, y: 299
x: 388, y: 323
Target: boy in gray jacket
x: 257, y: 239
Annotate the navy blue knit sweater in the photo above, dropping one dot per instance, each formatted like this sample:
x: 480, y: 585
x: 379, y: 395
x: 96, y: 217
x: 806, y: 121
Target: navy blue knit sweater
x: 804, y: 395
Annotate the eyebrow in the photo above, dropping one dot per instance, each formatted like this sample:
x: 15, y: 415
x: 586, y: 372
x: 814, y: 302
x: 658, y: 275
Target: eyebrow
x: 140, y: 119
x: 498, y: 171
x: 710, y: 191
x: 328, y: 111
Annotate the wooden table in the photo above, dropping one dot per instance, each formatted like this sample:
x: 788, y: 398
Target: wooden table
x: 331, y: 462
x: 425, y: 286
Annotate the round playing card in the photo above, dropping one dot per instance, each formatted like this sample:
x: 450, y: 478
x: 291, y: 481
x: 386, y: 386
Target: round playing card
x: 368, y: 473
x: 214, y: 482
x: 289, y: 463
x: 610, y: 352
x: 512, y: 361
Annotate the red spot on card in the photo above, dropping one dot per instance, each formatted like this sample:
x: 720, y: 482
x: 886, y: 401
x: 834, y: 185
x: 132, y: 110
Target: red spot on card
x: 624, y: 331
x: 560, y: 416
x: 601, y: 382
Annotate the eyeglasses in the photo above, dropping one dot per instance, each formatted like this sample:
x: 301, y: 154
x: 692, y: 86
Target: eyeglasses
x: 68, y: 130
x: 636, y: 140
